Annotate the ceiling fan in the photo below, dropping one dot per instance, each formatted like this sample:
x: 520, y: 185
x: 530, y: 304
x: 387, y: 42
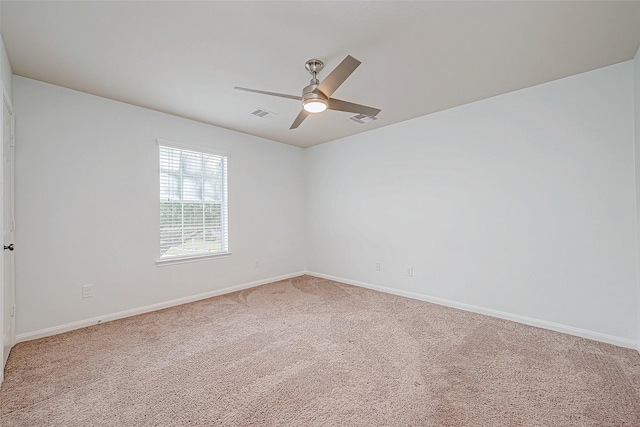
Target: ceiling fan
x: 317, y: 96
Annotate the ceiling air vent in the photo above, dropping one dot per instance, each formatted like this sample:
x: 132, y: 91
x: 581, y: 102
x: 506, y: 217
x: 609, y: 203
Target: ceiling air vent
x: 261, y: 112
x: 363, y: 118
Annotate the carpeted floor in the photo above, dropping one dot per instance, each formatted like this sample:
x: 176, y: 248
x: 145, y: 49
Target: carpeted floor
x: 311, y: 352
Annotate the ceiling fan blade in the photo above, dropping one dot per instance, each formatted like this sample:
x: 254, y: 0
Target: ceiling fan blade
x: 350, y: 107
x: 303, y: 115
x: 338, y: 75
x: 281, y: 95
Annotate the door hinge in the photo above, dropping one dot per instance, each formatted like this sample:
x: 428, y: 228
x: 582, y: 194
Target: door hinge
x: 13, y: 310
x: 13, y: 225
x: 12, y: 141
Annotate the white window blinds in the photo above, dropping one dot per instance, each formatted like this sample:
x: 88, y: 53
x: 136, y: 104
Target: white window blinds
x: 193, y: 203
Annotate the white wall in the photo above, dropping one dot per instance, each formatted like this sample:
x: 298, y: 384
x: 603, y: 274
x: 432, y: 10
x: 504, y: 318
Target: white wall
x: 5, y: 67
x: 522, y: 203
x: 87, y: 207
x: 636, y: 115
x: 5, y: 71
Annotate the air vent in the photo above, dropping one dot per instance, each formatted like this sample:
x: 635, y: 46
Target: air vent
x: 362, y: 118
x: 261, y: 112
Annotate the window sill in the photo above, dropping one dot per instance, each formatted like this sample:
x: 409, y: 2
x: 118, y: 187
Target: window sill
x: 187, y: 259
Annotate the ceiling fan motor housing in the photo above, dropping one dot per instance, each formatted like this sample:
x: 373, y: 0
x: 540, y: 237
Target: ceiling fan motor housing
x: 310, y: 92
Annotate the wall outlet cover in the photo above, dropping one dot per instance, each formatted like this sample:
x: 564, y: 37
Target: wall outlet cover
x: 87, y: 291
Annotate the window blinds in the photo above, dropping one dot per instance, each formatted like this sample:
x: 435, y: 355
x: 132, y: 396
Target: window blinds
x: 193, y: 203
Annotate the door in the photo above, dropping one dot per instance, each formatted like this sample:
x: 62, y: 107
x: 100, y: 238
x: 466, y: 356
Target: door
x: 8, y: 148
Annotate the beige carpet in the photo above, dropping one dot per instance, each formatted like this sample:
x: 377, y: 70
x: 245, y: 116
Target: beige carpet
x: 310, y: 352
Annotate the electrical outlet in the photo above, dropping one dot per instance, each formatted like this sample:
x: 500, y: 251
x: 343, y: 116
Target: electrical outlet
x: 377, y: 266
x: 256, y: 263
x: 409, y: 271
x: 87, y: 291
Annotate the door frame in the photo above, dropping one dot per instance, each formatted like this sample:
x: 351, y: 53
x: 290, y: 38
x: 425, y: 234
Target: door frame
x: 6, y: 100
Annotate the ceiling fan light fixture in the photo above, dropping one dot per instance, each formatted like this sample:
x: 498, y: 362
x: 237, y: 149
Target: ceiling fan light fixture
x: 317, y: 105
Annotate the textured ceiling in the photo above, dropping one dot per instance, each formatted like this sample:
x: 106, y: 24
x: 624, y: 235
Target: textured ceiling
x: 184, y: 58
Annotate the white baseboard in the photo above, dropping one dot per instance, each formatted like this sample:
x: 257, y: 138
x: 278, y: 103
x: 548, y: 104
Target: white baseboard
x: 146, y: 309
x: 596, y: 336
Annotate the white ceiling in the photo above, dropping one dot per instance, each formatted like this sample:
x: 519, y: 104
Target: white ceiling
x: 184, y: 58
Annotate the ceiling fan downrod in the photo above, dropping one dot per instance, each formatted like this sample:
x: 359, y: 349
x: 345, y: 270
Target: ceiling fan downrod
x: 314, y: 66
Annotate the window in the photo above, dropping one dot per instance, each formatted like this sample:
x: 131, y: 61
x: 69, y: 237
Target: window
x: 193, y: 202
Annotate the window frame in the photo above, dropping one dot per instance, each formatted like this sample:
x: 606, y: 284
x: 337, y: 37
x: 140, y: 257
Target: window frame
x: 180, y: 259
